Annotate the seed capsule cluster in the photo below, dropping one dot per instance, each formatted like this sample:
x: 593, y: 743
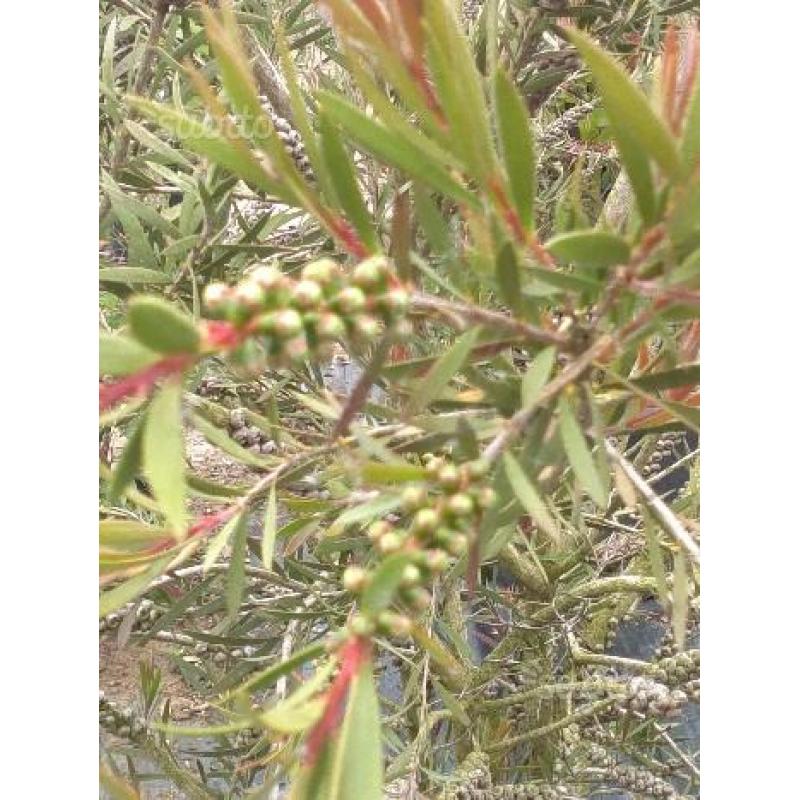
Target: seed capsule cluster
x: 471, y: 777
x: 249, y: 436
x: 146, y: 614
x: 119, y: 720
x: 442, y: 515
x: 287, y: 320
x: 682, y: 669
x: 640, y: 780
x: 651, y: 698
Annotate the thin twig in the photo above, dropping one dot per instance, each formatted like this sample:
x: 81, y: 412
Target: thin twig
x: 662, y: 511
x: 492, y: 319
x: 519, y: 422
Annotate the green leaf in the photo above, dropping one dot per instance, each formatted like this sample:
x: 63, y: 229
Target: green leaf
x: 234, y: 588
x: 220, y: 439
x: 690, y: 143
x: 640, y: 175
x: 516, y: 144
x: 209, y: 143
x: 530, y: 498
x: 107, y: 65
x: 162, y: 455
x: 122, y: 356
x: 129, y: 463
x: 152, y: 142
x: 685, y: 375
x: 589, y: 248
x: 398, y: 151
x: 133, y: 275
x: 378, y: 472
x: 128, y: 590
x: 655, y: 557
x: 266, y: 677
x: 507, y: 271
x: 579, y: 455
x: 217, y: 544
x: 293, y: 718
x: 384, y: 582
x: 357, y: 769
x: 452, y: 705
x: 627, y: 106
x: 140, y: 252
x: 129, y: 534
x: 363, y: 513
x: 160, y: 326
x: 680, y: 600
x: 339, y: 164
x: 444, y: 369
x: 270, y: 527
x: 537, y: 375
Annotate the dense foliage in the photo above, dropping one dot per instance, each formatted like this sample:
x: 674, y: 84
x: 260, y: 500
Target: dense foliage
x: 409, y: 581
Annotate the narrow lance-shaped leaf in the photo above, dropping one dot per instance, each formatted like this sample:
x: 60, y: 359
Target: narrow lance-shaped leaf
x: 444, y: 369
x: 590, y: 248
x: 130, y: 589
x: 234, y: 587
x: 626, y: 105
x: 384, y: 582
x: 129, y: 463
x: 579, y: 454
x: 120, y: 355
x: 680, y: 600
x: 537, y: 375
x: 393, y: 149
x: 158, y: 325
x: 357, y: 769
x: 217, y: 544
x: 270, y: 527
x: 516, y: 146
x: 162, y: 451
x: 508, y: 277
x: 338, y: 163
x: 530, y: 498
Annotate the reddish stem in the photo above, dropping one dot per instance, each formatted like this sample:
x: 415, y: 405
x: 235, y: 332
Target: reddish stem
x: 141, y: 383
x: 354, y: 652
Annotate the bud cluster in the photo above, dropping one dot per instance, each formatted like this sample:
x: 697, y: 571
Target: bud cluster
x: 639, y: 780
x: 651, y: 698
x: 442, y: 515
x: 146, y: 614
x: 121, y: 721
x: 287, y: 320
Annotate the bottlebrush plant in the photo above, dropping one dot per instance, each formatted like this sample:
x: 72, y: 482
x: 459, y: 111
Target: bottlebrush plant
x: 416, y: 586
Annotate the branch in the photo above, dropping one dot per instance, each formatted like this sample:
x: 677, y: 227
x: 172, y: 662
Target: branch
x: 662, y: 511
x: 483, y: 316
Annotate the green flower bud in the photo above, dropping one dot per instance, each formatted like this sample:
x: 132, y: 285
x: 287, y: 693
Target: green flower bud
x: 350, y: 300
x: 267, y: 277
x: 457, y: 545
x: 361, y: 626
x: 365, y: 326
x: 288, y: 323
x: 330, y: 327
x: 419, y: 599
x: 390, y: 543
x: 250, y: 295
x: 487, y: 497
x: 372, y: 273
x: 411, y: 576
x: 394, y: 624
x: 377, y: 529
x: 460, y: 505
x: 216, y: 295
x: 354, y: 579
x: 425, y: 521
x: 296, y: 348
x: 322, y: 271
x: 414, y: 498
x: 395, y: 301
x: 436, y: 561
x: 478, y: 469
x: 448, y: 477
x: 307, y: 294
